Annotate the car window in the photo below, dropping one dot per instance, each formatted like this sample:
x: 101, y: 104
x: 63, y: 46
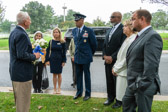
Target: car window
x: 68, y: 33
x: 100, y: 31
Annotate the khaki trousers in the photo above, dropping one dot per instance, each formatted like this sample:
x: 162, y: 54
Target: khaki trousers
x: 22, y: 94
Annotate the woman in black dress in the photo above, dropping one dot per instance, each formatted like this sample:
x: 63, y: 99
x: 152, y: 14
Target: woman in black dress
x: 56, y: 58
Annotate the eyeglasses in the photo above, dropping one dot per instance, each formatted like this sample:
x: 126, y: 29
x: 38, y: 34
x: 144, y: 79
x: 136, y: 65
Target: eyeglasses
x: 114, y: 16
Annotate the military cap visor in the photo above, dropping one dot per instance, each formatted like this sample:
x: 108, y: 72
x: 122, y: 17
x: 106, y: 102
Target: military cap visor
x: 79, y: 16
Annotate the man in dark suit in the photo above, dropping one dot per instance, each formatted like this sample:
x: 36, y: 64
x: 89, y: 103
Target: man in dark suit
x: 21, y: 67
x: 143, y: 58
x: 112, y: 44
x: 85, y: 47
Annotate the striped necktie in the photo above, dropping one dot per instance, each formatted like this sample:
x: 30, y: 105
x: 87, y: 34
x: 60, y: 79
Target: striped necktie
x: 111, y: 32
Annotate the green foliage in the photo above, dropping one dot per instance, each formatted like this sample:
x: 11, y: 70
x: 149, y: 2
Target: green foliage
x: 98, y: 22
x: 67, y: 24
x: 88, y: 24
x: 69, y: 20
x: 2, y: 11
x: 159, y: 19
x: 5, y: 25
x: 59, y: 103
x: 126, y: 16
x: 42, y: 17
x: 70, y: 16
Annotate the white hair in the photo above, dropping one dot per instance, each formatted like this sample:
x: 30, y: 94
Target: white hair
x: 21, y: 17
x: 38, y: 32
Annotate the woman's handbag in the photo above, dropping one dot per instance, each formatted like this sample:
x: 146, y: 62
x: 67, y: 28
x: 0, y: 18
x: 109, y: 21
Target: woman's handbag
x: 50, y: 48
x: 45, y: 80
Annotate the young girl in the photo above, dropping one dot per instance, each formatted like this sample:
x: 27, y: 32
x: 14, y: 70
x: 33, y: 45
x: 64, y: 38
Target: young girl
x: 38, y: 67
x: 56, y: 58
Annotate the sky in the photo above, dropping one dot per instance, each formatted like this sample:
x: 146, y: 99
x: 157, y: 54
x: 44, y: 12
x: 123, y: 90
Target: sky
x: 91, y: 8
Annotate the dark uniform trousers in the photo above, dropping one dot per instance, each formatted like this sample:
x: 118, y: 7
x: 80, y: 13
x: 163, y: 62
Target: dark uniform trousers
x: 141, y: 98
x: 110, y: 81
x: 37, y: 76
x: 80, y: 68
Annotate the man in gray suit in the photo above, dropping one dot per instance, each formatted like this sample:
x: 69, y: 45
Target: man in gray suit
x: 143, y: 58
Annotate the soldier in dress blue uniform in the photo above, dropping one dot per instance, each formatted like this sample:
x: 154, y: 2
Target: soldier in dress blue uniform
x: 85, y: 47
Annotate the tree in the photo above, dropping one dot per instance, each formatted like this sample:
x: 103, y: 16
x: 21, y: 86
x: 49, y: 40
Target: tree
x: 66, y: 24
x: 126, y: 16
x: 165, y: 2
x: 159, y: 19
x: 49, y: 18
x: 69, y: 21
x: 42, y: 17
x: 2, y: 11
x: 98, y: 22
x: 70, y: 16
x: 88, y: 24
x: 5, y: 25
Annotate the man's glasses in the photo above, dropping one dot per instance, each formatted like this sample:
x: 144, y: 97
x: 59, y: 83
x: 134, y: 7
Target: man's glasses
x: 114, y: 16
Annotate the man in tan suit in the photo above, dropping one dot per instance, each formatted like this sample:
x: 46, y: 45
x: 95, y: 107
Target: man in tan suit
x: 72, y: 52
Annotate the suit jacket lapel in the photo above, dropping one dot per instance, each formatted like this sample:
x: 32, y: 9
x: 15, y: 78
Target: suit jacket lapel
x: 137, y: 40
x: 108, y: 35
x: 81, y: 33
x: 18, y: 27
x: 114, y: 33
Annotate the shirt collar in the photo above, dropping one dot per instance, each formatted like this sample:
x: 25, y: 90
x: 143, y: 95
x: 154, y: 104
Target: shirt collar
x: 81, y: 28
x: 22, y: 27
x: 144, y: 29
x: 116, y: 26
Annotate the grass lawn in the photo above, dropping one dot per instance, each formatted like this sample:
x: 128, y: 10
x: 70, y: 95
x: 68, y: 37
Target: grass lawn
x: 58, y: 103
x: 165, y: 40
x: 4, y: 42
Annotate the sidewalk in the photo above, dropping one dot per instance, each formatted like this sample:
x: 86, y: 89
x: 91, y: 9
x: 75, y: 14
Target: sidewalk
x: 165, y: 51
x: 72, y: 93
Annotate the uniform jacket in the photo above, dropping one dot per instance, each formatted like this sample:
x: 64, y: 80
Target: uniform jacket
x: 21, y: 56
x: 72, y: 48
x: 86, y: 45
x: 143, y: 58
x: 111, y: 48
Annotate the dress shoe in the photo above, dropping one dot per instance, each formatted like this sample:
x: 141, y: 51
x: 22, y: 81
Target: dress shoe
x: 77, y: 96
x: 40, y: 91
x: 86, y: 98
x: 108, y: 102
x: 118, y: 104
x: 72, y: 84
x: 35, y: 91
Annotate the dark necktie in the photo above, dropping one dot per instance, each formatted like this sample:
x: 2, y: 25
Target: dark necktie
x: 78, y: 32
x: 136, y: 37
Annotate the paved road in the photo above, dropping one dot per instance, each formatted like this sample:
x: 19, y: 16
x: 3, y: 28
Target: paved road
x: 97, y: 74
